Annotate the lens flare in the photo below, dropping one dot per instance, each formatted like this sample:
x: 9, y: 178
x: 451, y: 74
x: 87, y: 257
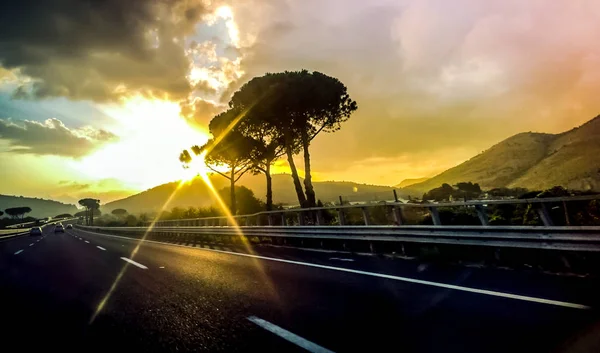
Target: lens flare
x: 115, y: 283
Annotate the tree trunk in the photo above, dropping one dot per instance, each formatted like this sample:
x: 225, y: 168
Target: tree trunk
x: 311, y: 199
x: 297, y: 184
x: 269, y: 187
x: 232, y: 202
x: 92, y: 217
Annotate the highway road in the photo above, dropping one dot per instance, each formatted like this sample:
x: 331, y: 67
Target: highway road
x: 90, y: 292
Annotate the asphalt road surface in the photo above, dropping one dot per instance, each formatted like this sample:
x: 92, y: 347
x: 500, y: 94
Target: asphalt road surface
x: 82, y: 291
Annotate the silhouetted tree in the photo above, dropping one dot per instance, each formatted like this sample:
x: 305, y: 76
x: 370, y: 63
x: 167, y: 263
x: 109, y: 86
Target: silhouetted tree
x: 131, y: 221
x: 1, y: 213
x: 177, y: 213
x: 17, y: 212
x: 91, y: 206
x: 439, y: 194
x: 144, y: 217
x: 247, y: 202
x: 298, y: 105
x: 266, y: 144
x: 119, y: 212
x: 228, y: 147
x: 467, y: 190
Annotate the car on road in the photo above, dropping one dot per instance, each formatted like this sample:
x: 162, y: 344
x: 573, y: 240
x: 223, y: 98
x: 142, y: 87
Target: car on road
x: 59, y: 228
x: 69, y: 226
x: 35, y: 231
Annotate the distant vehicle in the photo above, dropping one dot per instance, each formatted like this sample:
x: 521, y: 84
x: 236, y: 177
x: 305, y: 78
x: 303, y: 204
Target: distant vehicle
x: 35, y: 231
x: 69, y: 226
x: 59, y: 228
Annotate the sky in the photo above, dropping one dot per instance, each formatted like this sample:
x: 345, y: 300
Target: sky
x: 98, y: 98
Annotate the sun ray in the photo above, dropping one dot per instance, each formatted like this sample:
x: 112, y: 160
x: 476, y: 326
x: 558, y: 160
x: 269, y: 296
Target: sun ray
x: 115, y: 283
x: 240, y: 234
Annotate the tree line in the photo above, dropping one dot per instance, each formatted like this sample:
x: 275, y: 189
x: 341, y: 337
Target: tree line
x: 16, y: 212
x: 273, y: 116
x: 91, y: 209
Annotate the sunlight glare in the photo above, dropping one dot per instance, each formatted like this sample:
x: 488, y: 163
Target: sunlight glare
x: 151, y: 136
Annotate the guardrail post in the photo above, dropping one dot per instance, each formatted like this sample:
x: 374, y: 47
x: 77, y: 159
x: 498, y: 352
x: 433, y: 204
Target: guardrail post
x: 341, y: 216
x: 300, y: 218
x: 435, y: 216
x: 365, y: 214
x: 542, y: 211
x: 270, y: 219
x: 319, y: 217
x: 247, y: 221
x: 483, y: 217
x: 397, y: 215
x: 283, y: 219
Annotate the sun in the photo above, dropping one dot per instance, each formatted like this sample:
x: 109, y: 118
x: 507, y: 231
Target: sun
x: 196, y: 167
x: 151, y: 134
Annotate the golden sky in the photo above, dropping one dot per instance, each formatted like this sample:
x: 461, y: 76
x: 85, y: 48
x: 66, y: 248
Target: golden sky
x: 100, y: 101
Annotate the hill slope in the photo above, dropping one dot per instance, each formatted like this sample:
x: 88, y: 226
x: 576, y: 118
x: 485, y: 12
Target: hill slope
x: 40, y: 208
x: 532, y: 160
x: 408, y: 182
x: 573, y: 161
x: 196, y: 193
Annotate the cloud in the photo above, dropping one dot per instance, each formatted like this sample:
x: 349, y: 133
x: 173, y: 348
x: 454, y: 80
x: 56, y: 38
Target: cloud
x: 51, y: 137
x: 73, y: 185
x: 432, y: 76
x: 106, y: 190
x: 199, y: 112
x: 99, y: 50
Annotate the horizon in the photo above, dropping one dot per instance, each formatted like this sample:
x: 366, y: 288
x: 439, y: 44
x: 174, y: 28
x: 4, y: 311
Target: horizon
x: 425, y: 104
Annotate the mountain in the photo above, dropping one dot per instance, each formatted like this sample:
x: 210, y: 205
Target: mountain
x: 175, y: 194
x: 408, y: 182
x: 40, y: 208
x: 327, y: 191
x: 532, y: 160
x: 196, y: 193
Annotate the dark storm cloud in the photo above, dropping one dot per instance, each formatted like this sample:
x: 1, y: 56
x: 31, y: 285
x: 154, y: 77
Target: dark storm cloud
x: 51, y: 137
x: 99, y: 50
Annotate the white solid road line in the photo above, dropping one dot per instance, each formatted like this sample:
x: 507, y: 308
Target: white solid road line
x: 134, y: 263
x: 101, y: 248
x: 289, y: 336
x: 18, y: 252
x: 381, y: 275
x: 341, y: 259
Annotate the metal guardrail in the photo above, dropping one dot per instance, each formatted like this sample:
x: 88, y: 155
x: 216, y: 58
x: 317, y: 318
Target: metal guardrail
x: 585, y: 239
x: 13, y: 232
x: 539, y: 204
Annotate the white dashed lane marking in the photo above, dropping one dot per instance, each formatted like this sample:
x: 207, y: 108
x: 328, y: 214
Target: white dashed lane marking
x: 289, y: 336
x: 134, y: 263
